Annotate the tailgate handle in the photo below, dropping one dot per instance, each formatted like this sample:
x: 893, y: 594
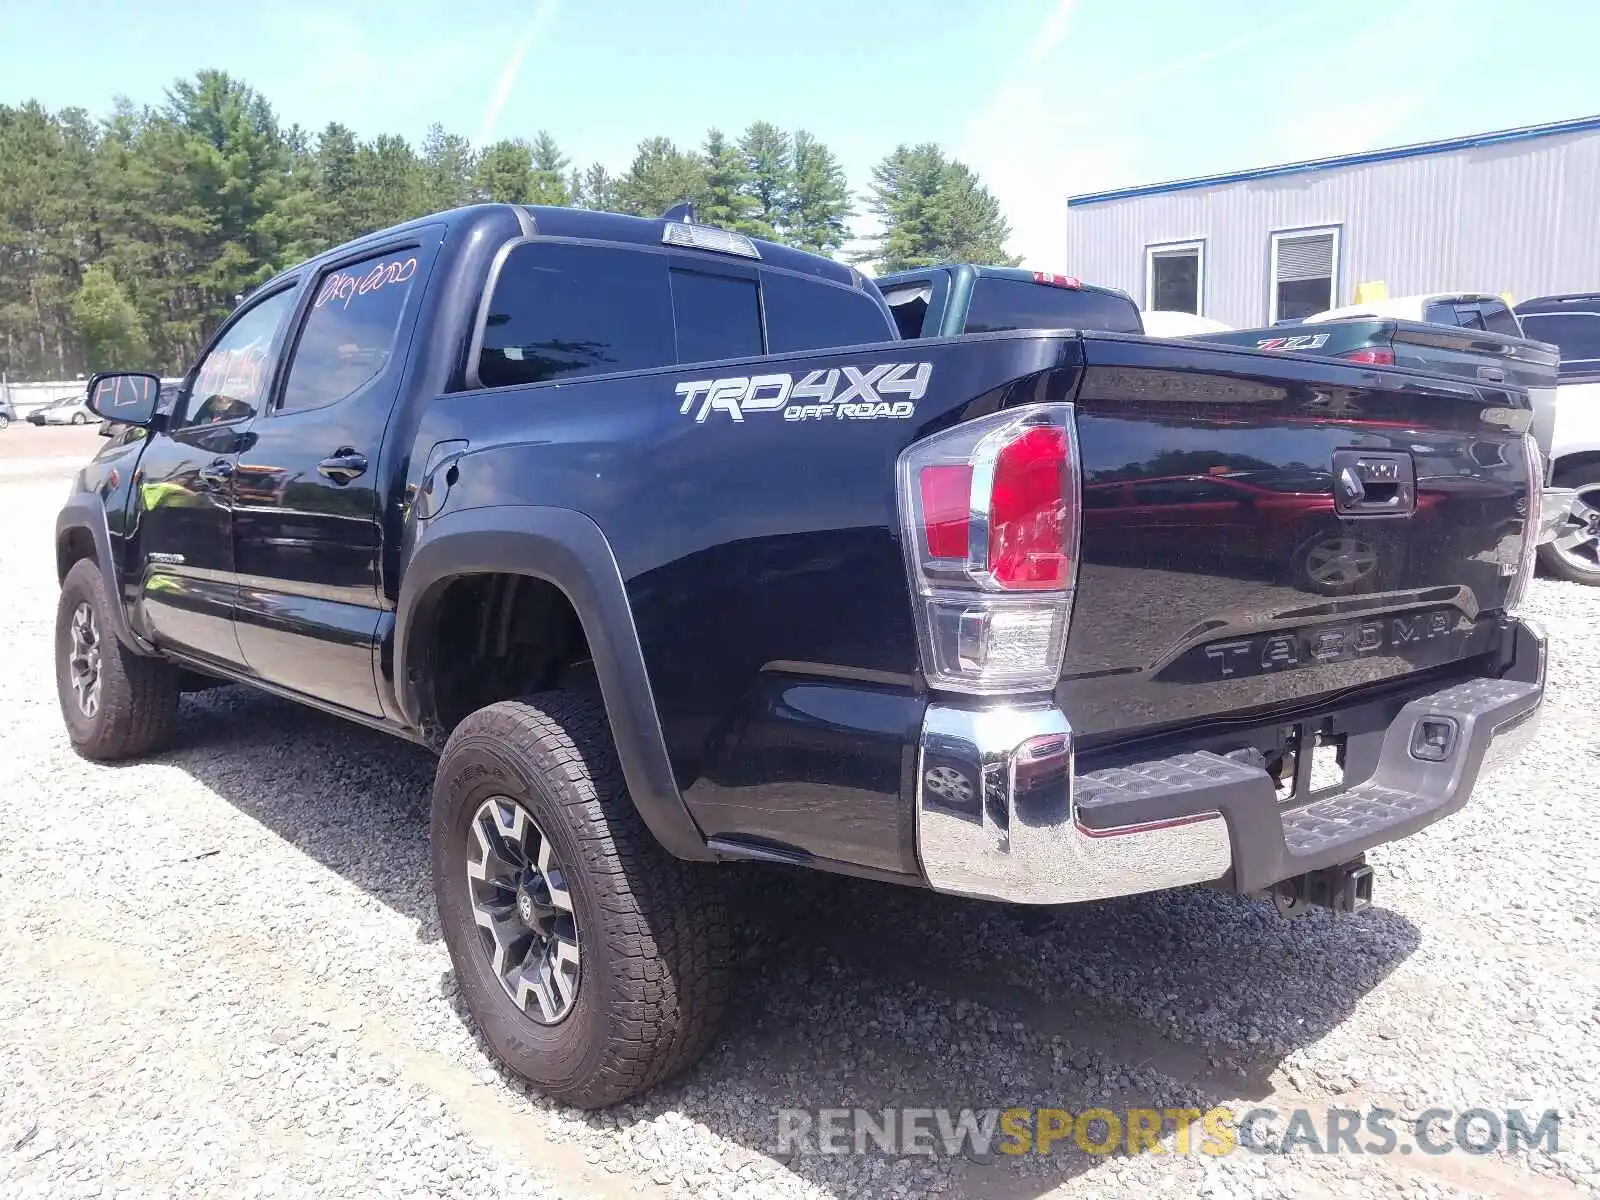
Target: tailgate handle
x: 1373, y: 484
x: 1492, y: 374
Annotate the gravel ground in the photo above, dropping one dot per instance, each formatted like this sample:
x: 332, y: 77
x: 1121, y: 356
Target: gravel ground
x: 221, y: 974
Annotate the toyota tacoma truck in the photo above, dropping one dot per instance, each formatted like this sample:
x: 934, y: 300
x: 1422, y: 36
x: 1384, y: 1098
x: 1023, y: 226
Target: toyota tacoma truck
x: 677, y: 556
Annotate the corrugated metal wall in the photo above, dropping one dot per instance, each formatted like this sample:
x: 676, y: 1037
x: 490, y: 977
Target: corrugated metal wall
x: 1521, y: 217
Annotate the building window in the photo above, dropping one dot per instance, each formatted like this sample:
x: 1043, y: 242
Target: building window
x: 1174, y: 275
x: 1305, y: 273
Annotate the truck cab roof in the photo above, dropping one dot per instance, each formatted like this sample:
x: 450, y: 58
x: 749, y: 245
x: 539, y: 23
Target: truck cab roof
x: 595, y: 226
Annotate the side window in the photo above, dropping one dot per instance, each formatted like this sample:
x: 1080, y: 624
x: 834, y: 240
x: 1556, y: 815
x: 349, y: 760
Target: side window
x: 804, y: 314
x: 561, y: 312
x: 909, y: 306
x: 232, y: 379
x: 1469, y: 317
x: 1497, y: 318
x: 717, y: 316
x: 1576, y: 333
x: 1440, y: 314
x: 349, y: 334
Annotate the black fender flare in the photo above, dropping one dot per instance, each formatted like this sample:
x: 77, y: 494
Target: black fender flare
x: 84, y: 511
x: 566, y: 549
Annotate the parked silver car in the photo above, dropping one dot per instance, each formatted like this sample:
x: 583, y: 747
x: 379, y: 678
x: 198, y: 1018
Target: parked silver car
x: 68, y: 410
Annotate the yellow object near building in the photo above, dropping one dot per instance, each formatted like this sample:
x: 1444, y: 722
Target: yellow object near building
x: 1371, y: 292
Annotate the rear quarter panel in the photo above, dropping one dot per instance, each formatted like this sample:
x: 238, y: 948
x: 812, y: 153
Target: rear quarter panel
x: 763, y: 565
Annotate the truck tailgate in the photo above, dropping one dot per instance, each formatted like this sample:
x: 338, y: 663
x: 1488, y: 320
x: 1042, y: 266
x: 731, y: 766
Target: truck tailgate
x: 1263, y: 530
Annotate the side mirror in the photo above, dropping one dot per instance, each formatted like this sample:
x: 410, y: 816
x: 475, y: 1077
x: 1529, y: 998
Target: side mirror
x: 125, y: 396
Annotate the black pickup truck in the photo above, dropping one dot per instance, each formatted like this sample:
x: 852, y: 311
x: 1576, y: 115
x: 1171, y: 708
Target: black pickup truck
x: 677, y: 555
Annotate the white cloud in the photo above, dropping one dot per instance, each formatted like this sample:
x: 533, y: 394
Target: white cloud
x: 1033, y: 147
x: 1032, y: 150
x: 508, y: 75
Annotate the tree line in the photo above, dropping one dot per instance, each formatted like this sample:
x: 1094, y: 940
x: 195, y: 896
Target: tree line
x: 125, y: 241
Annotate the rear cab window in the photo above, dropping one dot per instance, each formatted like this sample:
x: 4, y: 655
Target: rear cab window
x: 1001, y: 303
x: 1497, y: 318
x: 563, y: 310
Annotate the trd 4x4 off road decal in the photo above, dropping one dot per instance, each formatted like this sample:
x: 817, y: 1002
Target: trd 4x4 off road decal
x: 837, y: 393
x: 1304, y: 341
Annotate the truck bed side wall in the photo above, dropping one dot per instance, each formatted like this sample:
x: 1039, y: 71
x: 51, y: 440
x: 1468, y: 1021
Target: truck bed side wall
x: 763, y: 565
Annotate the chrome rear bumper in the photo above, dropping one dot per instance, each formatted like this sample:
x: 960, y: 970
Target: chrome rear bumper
x: 1001, y: 813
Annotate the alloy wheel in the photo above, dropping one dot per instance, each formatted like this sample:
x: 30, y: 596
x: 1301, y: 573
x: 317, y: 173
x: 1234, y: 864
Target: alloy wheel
x: 1577, y: 542
x: 1340, y: 561
x: 84, y: 663
x: 949, y: 784
x: 523, y: 909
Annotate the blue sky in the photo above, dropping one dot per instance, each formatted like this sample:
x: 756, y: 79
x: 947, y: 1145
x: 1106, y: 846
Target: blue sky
x: 1045, y: 98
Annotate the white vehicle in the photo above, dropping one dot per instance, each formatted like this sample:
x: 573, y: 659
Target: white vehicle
x: 1162, y: 322
x: 1470, y: 310
x: 1573, y: 324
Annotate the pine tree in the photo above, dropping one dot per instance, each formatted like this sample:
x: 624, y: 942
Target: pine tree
x: 970, y: 225
x: 388, y: 184
x: 768, y: 156
x: 819, y: 199
x: 446, y: 172
x: 549, y: 172
x: 727, y: 200
x: 661, y: 176
x: 933, y: 209
x: 333, y: 183
x: 505, y: 173
x: 596, y: 189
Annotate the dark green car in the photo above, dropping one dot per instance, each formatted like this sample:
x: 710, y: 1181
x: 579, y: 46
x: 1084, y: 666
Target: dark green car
x: 956, y: 298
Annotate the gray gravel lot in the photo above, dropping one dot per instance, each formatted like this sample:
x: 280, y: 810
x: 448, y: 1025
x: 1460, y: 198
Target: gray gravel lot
x: 221, y: 974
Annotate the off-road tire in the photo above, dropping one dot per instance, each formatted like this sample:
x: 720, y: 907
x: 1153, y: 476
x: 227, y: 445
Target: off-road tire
x: 652, y: 930
x: 137, y: 712
x: 1571, y: 567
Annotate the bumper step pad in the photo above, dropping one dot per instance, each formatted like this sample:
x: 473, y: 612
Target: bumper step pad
x: 1271, y: 842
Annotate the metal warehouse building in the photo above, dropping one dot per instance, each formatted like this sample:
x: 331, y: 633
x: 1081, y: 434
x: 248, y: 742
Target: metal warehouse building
x: 1516, y: 211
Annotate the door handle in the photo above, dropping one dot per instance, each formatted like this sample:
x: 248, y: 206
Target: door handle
x: 343, y: 466
x: 1492, y: 374
x: 217, y: 472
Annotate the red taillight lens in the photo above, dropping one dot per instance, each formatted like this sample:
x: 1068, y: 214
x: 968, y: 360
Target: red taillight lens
x: 1064, y: 281
x: 1377, y: 358
x: 1027, y: 512
x: 946, y: 504
x: 990, y: 528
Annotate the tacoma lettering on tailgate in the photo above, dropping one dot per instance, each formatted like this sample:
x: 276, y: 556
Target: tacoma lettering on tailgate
x: 1262, y: 653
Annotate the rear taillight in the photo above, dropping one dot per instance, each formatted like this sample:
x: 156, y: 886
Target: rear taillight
x: 989, y: 511
x: 1534, y: 459
x: 1376, y: 358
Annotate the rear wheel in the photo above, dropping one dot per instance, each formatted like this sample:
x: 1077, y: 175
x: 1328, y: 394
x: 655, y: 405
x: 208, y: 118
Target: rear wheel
x: 79, y: 419
x: 5, y: 421
x: 116, y: 704
x: 594, y: 962
x: 1574, y: 553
